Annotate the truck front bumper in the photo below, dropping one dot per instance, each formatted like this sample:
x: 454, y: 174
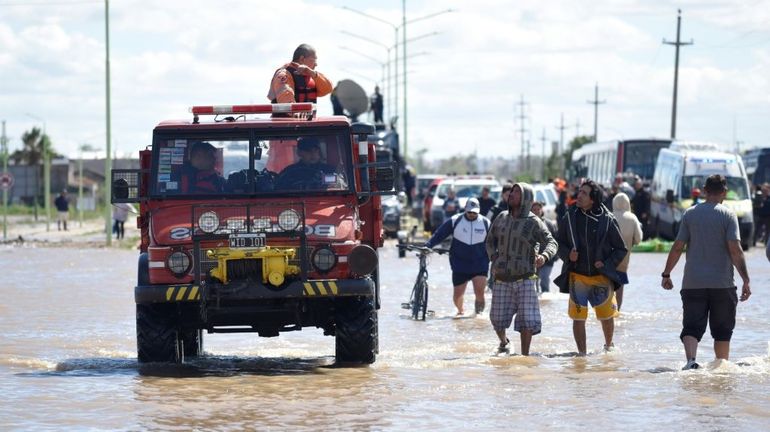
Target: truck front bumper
x: 248, y: 290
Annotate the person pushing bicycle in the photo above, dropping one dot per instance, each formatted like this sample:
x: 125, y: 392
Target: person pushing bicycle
x: 467, y: 253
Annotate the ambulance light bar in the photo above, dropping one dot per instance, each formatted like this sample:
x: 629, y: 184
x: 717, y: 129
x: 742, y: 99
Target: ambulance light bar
x: 278, y: 108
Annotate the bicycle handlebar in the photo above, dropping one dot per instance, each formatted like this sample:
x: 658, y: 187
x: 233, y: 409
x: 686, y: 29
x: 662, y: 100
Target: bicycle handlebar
x: 423, y: 249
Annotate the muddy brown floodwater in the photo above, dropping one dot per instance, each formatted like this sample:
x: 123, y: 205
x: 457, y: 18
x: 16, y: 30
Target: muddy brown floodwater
x: 68, y: 362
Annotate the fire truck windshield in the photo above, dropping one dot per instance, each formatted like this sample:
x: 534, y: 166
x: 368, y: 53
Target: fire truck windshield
x: 217, y: 164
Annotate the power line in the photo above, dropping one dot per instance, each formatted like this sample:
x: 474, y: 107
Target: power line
x: 51, y: 3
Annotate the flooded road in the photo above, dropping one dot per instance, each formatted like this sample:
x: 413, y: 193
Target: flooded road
x: 68, y: 361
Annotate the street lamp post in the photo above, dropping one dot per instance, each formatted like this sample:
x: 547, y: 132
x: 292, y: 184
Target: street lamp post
x: 388, y: 80
x: 404, y: 22
x: 395, y: 44
x: 108, y: 158
x: 4, y: 150
x: 392, y: 75
x: 83, y: 148
x: 396, y: 28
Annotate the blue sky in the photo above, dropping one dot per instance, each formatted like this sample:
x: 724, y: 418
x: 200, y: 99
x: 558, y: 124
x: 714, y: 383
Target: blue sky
x: 167, y: 56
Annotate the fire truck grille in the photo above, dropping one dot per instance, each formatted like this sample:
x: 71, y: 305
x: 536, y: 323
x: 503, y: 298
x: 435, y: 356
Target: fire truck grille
x: 244, y: 269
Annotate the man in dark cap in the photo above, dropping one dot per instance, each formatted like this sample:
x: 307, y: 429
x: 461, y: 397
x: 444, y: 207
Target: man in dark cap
x: 308, y: 171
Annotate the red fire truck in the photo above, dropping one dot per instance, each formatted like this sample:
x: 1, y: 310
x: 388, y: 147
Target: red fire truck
x: 257, y: 218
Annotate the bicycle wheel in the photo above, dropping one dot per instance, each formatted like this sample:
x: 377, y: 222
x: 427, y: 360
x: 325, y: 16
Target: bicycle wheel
x: 417, y: 299
x: 425, y: 300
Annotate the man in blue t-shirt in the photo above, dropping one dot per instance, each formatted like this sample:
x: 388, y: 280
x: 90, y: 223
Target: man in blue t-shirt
x: 710, y: 233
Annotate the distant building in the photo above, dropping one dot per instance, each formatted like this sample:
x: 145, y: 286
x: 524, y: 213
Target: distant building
x: 28, y: 179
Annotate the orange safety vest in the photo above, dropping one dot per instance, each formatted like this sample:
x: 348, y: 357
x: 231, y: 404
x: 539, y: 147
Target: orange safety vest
x: 304, y: 86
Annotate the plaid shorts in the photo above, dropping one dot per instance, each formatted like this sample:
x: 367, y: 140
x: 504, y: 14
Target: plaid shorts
x: 516, y: 298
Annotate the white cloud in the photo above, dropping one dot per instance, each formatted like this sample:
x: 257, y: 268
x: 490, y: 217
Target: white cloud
x: 169, y: 55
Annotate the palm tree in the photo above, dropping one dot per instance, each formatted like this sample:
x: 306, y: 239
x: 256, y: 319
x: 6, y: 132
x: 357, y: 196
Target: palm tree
x: 32, y: 151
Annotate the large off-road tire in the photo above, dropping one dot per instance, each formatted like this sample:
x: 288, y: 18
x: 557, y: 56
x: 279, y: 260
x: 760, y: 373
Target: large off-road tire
x: 356, y: 330
x: 157, y: 338
x: 192, y: 341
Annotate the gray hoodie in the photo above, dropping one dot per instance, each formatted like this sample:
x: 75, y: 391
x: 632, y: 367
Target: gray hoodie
x: 513, y: 243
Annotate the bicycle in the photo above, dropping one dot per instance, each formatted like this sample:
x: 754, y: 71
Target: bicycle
x: 418, y: 302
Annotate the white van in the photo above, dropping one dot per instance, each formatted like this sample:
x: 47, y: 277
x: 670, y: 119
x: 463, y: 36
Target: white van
x: 683, y: 167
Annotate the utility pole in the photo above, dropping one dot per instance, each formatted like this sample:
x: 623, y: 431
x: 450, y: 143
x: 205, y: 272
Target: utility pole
x: 676, y: 44
x: 403, y: 38
x: 543, y: 139
x: 561, y: 128
x: 521, y: 130
x: 596, y: 102
x: 577, y: 127
x: 4, y: 150
x: 107, y: 160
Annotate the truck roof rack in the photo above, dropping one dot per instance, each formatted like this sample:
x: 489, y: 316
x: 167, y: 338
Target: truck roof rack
x: 306, y: 108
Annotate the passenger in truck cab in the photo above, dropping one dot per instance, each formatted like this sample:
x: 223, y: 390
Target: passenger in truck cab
x: 199, y: 174
x: 309, y: 171
x: 298, y: 81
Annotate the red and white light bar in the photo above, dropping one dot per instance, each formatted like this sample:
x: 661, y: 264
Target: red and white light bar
x: 278, y: 108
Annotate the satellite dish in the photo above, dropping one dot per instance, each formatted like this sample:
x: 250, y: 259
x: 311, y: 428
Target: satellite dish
x: 352, y: 97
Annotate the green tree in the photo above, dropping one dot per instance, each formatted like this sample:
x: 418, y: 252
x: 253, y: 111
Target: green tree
x: 33, y: 144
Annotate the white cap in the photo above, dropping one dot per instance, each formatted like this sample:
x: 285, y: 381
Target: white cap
x: 472, y: 205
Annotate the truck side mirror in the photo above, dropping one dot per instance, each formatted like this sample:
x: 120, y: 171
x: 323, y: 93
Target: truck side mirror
x: 362, y: 128
x: 670, y: 196
x: 384, y: 178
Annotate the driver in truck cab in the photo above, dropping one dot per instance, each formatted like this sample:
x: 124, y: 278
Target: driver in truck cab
x: 298, y: 81
x: 309, y: 169
x: 199, y: 174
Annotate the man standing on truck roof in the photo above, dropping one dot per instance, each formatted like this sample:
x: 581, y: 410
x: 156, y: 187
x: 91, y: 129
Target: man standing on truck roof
x: 298, y: 81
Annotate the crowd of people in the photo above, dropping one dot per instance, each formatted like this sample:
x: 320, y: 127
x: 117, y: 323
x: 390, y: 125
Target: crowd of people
x: 515, y: 247
x: 519, y: 247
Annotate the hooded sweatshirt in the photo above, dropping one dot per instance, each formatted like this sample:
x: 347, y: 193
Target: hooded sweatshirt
x: 630, y: 228
x: 513, y: 243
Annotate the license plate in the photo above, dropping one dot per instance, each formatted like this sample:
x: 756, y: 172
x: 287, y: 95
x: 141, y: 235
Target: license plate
x: 247, y: 240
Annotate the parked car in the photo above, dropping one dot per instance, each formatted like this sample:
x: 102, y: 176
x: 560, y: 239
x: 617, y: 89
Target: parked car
x: 546, y: 193
x: 422, y: 185
x: 465, y: 187
x: 392, y: 208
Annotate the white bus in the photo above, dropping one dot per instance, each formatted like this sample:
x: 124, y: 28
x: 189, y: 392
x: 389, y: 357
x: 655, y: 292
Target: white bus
x: 601, y: 161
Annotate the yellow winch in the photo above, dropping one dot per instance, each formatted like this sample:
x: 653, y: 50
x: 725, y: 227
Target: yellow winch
x: 275, y: 262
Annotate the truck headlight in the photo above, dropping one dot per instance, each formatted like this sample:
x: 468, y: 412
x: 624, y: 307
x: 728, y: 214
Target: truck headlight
x: 288, y: 220
x: 362, y: 260
x: 208, y: 222
x: 179, y: 263
x: 324, y: 259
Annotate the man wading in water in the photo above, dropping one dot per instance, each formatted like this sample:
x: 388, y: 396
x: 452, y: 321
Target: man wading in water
x: 591, y: 246
x: 518, y: 244
x: 710, y: 232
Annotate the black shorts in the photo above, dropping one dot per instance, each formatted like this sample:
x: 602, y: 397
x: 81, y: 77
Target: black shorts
x: 463, y: 278
x: 715, y: 306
